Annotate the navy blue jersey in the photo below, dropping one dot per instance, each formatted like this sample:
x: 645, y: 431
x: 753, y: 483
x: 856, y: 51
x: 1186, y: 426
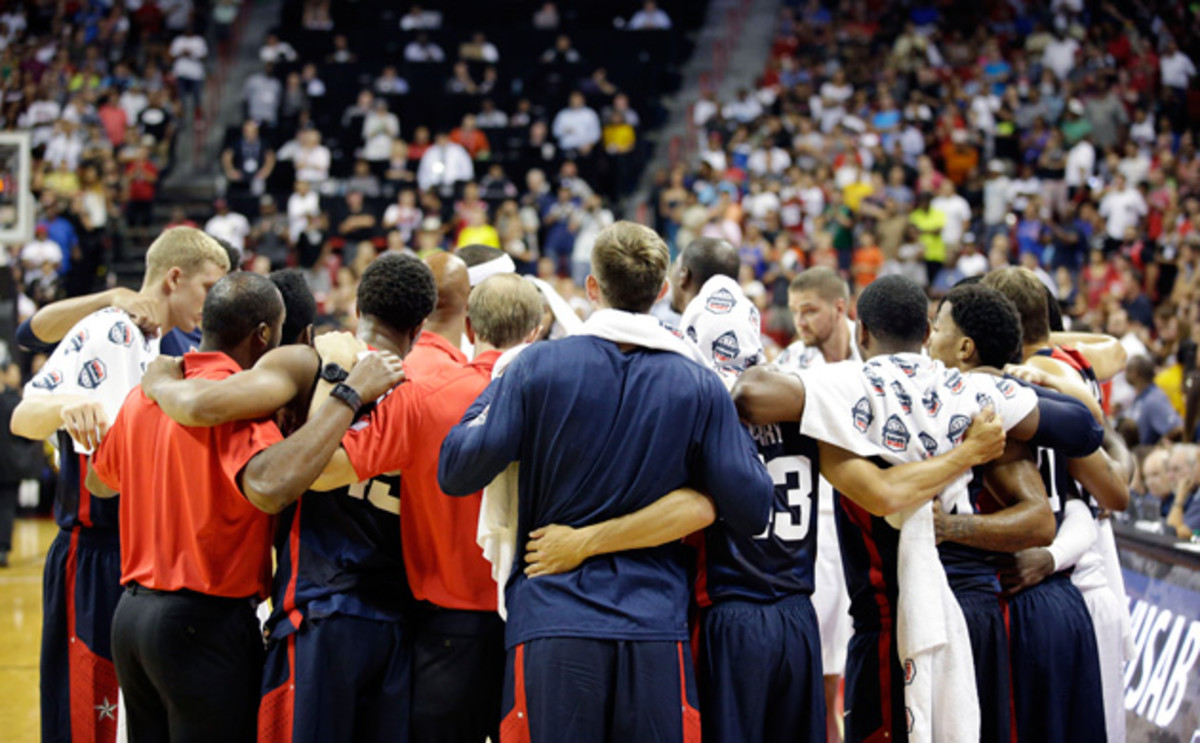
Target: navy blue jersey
x: 869, y: 547
x: 779, y: 561
x: 339, y: 552
x: 970, y: 569
x: 601, y: 433
x: 74, y: 505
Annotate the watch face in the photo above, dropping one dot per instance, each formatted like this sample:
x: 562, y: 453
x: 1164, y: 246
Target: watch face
x: 333, y: 373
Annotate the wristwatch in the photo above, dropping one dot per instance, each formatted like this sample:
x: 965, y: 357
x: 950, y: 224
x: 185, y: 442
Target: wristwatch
x: 334, y: 373
x: 348, y: 395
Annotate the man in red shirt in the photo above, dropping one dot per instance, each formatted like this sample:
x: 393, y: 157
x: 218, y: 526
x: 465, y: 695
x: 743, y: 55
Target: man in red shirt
x: 458, y: 663
x: 440, y: 342
x: 196, y: 525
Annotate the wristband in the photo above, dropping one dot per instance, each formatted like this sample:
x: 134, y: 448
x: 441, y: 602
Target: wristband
x: 347, y: 394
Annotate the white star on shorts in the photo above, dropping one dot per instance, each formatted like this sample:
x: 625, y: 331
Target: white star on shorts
x: 106, y: 710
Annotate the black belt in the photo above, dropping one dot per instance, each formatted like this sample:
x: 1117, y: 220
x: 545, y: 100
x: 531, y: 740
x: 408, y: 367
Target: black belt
x: 137, y: 589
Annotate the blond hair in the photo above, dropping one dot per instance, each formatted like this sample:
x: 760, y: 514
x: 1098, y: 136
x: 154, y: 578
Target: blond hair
x: 630, y: 262
x: 185, y: 248
x: 504, y: 309
x: 1030, y: 296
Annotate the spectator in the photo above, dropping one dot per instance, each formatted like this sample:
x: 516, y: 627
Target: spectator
x: 472, y: 140
x: 263, y: 93
x: 546, y: 17
x: 477, y: 231
x: 363, y: 180
x: 479, y: 49
x: 650, y: 17
x: 577, y: 127
x: 303, y: 210
x: 404, y: 216
x: 421, y: 49
x: 228, y: 225
x: 419, y: 19
x: 390, y: 82
x: 249, y: 161
x: 341, y: 53
x: 930, y: 224
x: 1176, y: 70
x: 1123, y: 207
x: 41, y: 256
x: 957, y: 211
x: 867, y: 261
x: 141, y: 186
x: 274, y: 51
x: 269, y: 237
x: 559, y: 219
x: 443, y: 165
x: 357, y: 224
x: 311, y: 158
x: 1151, y: 411
x: 460, y: 82
x: 189, y: 51
x: 380, y: 128
x: 490, y: 117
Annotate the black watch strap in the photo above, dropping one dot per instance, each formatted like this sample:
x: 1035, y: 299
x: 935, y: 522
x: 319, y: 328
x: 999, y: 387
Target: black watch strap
x: 348, y: 395
x: 334, y: 373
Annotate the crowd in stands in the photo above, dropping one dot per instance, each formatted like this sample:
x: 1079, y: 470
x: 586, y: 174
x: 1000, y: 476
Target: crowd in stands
x: 102, y: 88
x: 941, y: 142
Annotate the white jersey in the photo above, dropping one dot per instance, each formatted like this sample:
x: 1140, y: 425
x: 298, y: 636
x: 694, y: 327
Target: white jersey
x: 102, y: 358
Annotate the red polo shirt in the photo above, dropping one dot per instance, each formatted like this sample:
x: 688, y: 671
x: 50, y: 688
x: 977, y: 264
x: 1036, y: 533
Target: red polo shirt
x: 185, y: 523
x: 405, y: 432
x: 429, y: 353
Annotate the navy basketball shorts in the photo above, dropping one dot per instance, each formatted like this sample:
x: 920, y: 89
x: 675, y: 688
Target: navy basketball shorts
x: 593, y: 691
x: 458, y: 675
x: 340, y: 678
x: 984, y: 614
x: 874, y: 689
x: 80, y: 590
x: 760, y: 674
x: 1056, y: 685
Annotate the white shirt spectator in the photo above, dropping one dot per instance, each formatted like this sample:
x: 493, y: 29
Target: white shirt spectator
x: 494, y: 119
x: 133, y: 102
x: 280, y: 51
x: 391, y: 85
x: 312, y: 163
x: 1059, y: 56
x: 837, y: 93
x: 263, y: 94
x: 1020, y: 190
x: 645, y: 19
x: 1143, y: 132
x: 576, y: 128
x: 38, y: 253
x: 972, y: 264
x: 1136, y: 169
x: 64, y: 149
x: 759, y: 205
x: 773, y: 161
x: 39, y: 118
x: 958, y: 215
x: 231, y: 227
x: 443, y: 165
x: 1176, y: 70
x: 415, y: 51
x: 380, y: 129
x: 744, y: 110
x: 189, y: 53
x: 177, y: 13
x: 813, y: 199
x: 995, y: 199
x: 704, y: 110
x: 1081, y: 163
x: 1121, y: 210
x: 299, y: 208
x: 420, y: 21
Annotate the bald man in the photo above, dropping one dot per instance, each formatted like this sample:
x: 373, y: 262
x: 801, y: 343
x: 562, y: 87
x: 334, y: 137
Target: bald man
x: 699, y: 261
x: 440, y: 343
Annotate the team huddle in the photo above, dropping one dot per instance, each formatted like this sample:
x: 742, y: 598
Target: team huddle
x: 636, y: 532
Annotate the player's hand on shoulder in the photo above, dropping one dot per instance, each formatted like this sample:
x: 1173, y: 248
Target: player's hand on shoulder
x: 986, y: 436
x: 554, y: 549
x: 339, y: 348
x: 376, y: 373
x: 1027, y: 373
x: 161, y: 370
x: 86, y: 422
x: 142, y: 310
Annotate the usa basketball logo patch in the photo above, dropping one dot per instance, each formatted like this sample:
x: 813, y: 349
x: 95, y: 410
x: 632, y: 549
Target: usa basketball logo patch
x: 929, y: 443
x: 76, y: 342
x: 671, y: 328
x: 958, y: 429
x: 907, y: 367
x: 931, y: 402
x: 862, y: 415
x: 902, y: 397
x: 875, y: 380
x: 48, y: 380
x: 1006, y: 387
x: 721, y: 302
x: 725, y: 348
x: 954, y: 381
x: 121, y: 334
x: 983, y: 399
x: 93, y: 374
x: 895, y: 434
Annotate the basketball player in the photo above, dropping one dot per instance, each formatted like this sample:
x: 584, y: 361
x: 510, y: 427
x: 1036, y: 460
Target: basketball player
x: 603, y: 426
x: 440, y: 343
x: 339, y: 653
x: 185, y: 636
x: 75, y: 396
x: 818, y: 299
x: 892, y: 326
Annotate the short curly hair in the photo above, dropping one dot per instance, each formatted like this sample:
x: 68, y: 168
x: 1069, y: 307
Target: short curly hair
x: 990, y: 319
x: 298, y: 300
x: 894, y: 309
x: 398, y: 290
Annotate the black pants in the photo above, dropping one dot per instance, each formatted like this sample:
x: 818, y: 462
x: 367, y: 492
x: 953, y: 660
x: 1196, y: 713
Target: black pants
x: 458, y: 676
x: 189, y: 666
x: 8, y: 511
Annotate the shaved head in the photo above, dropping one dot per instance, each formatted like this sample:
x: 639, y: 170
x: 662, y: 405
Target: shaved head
x: 453, y: 285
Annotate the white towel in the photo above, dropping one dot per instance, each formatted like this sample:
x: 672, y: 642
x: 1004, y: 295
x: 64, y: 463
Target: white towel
x: 564, y: 316
x: 904, y: 408
x: 497, y: 529
x: 725, y: 326
x: 646, y: 331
